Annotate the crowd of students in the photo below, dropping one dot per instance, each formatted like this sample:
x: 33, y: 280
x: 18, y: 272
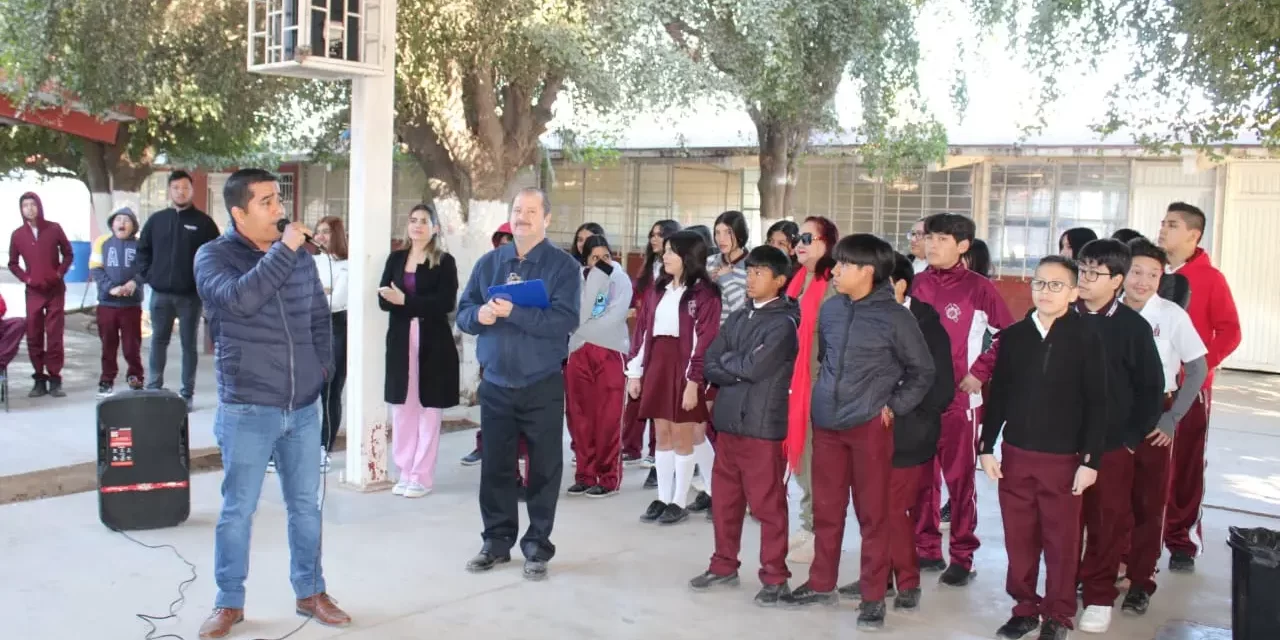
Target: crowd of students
x: 866, y: 373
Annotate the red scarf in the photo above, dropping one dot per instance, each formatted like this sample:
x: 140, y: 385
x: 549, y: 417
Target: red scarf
x: 801, y: 379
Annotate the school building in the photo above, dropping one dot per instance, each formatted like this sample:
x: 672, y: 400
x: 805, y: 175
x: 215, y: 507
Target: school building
x: 1021, y: 197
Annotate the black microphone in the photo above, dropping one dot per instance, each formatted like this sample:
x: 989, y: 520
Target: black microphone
x: 284, y: 222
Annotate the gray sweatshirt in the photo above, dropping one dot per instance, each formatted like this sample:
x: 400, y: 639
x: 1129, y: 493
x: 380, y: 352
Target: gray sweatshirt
x: 606, y: 298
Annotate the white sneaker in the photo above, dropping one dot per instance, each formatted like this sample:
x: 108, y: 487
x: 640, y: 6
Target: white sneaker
x: 1096, y: 619
x: 801, y: 551
x: 415, y: 490
x: 398, y: 490
x: 646, y: 462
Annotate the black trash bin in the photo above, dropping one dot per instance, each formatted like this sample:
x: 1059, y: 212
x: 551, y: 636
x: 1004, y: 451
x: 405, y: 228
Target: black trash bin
x: 1255, y: 583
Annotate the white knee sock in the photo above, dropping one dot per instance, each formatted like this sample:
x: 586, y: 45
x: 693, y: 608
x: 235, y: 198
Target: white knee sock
x: 705, y: 455
x: 665, y: 463
x: 684, y: 476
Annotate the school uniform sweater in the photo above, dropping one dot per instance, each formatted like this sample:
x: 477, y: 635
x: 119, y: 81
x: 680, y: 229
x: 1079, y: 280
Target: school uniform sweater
x: 1049, y: 390
x: 1135, y: 375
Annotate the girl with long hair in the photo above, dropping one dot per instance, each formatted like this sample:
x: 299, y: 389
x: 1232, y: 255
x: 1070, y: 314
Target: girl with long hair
x: 419, y: 288
x: 978, y: 258
x: 680, y: 317
x: 633, y: 426
x: 1072, y: 240
x: 782, y: 234
x: 331, y: 236
x: 585, y: 230
x: 810, y: 287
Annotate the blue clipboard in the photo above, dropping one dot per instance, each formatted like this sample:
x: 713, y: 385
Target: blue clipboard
x: 532, y: 293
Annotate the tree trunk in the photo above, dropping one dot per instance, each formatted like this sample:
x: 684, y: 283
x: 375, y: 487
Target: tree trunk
x: 780, y: 143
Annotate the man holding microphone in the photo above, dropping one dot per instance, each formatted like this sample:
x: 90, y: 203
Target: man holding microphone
x: 521, y: 351
x: 273, y: 347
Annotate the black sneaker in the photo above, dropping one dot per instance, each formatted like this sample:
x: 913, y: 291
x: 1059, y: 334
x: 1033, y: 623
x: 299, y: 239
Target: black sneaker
x: 535, y: 570
x: 1053, y: 630
x: 55, y: 389
x: 105, y: 389
x: 804, y: 596
x: 946, y: 513
x: 577, y: 489
x: 630, y: 459
x: 656, y: 509
x: 701, y: 502
x: 674, y: 514
x: 771, y: 594
x: 1136, y: 602
x: 957, y: 576
x: 1017, y: 627
x: 907, y: 600
x: 1180, y: 562
x: 600, y: 492
x: 708, y: 581
x: 651, y: 481
x: 871, y: 615
x: 135, y: 383
x: 927, y: 565
x: 471, y: 459
x: 485, y: 561
x: 39, y: 390
x: 853, y: 590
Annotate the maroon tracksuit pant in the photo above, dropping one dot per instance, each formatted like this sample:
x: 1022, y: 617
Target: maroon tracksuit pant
x: 1141, y: 538
x: 750, y: 472
x: 594, y: 392
x: 904, y: 489
x: 1106, y: 510
x: 11, y: 332
x: 633, y: 428
x: 1041, y: 516
x: 120, y: 327
x: 860, y: 460
x: 956, y: 463
x: 46, y: 320
x: 1186, y: 491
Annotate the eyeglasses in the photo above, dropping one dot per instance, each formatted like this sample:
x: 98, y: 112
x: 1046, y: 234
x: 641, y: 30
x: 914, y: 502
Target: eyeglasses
x: 1092, y: 275
x: 805, y: 238
x: 1054, y: 286
x: 914, y: 235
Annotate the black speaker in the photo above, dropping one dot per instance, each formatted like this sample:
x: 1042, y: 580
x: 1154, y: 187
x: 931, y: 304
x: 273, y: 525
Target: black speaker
x: 144, y: 461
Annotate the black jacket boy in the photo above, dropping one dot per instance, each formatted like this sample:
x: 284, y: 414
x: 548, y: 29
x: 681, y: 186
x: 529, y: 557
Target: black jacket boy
x: 1135, y: 375
x: 915, y: 435
x: 751, y: 360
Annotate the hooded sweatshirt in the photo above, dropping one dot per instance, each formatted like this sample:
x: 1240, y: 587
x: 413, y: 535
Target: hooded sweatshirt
x: 42, y: 248
x: 115, y: 263
x: 602, y: 318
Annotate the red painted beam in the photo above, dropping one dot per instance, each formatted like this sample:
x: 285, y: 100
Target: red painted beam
x: 71, y: 121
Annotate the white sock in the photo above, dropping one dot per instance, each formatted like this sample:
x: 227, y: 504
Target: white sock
x: 705, y: 454
x: 665, y: 463
x: 684, y: 476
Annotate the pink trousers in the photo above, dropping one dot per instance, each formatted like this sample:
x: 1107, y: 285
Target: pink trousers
x: 415, y: 430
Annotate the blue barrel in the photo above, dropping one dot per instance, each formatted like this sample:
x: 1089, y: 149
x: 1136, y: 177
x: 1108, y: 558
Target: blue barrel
x: 79, y: 271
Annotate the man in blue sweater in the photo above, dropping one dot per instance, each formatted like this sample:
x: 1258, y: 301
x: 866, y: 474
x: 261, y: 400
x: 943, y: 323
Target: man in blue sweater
x: 521, y: 351
x: 274, y: 347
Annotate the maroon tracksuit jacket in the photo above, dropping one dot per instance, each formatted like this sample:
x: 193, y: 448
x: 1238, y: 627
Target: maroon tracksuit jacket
x: 40, y: 255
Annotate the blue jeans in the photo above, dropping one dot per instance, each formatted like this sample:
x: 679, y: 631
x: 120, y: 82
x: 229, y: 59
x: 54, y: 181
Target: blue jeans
x: 250, y: 435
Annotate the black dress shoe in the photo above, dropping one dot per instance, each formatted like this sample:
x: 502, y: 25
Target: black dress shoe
x: 41, y: 389
x: 55, y: 389
x: 907, y: 600
x: 1017, y: 627
x: 651, y: 481
x: 701, y: 502
x: 673, y: 514
x: 771, y: 594
x: 957, y: 576
x: 871, y: 615
x: 708, y: 581
x: 655, y: 510
x: 577, y: 489
x: 1136, y: 602
x: 535, y: 570
x: 485, y: 561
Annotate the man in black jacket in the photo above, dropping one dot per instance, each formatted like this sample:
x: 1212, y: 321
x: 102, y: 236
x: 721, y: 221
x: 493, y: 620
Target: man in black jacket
x: 751, y: 360
x: 166, y: 260
x: 915, y: 443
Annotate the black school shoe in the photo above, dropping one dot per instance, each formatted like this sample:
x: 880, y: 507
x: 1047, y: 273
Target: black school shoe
x: 1017, y: 627
x: 651, y: 480
x: 577, y: 489
x: 853, y: 590
x: 1136, y: 602
x: 674, y: 514
x: 907, y: 600
x: 535, y: 570
x: 871, y: 616
x: 771, y: 594
x: 600, y: 492
x: 708, y: 581
x: 485, y: 561
x: 1053, y: 630
x: 655, y: 510
x: 1182, y: 562
x: 805, y: 596
x: 957, y: 576
x: 701, y: 502
x: 932, y: 566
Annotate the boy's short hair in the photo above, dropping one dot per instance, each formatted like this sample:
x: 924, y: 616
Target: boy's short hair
x: 1142, y: 247
x: 1066, y: 263
x: 771, y: 258
x: 1109, y: 253
x: 866, y: 250
x: 903, y: 271
x: 951, y: 224
x: 1126, y: 235
x: 1190, y: 214
x: 179, y: 174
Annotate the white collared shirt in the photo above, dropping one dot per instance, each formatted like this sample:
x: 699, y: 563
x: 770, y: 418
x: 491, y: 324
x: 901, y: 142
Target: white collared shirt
x: 1176, y: 338
x: 666, y: 318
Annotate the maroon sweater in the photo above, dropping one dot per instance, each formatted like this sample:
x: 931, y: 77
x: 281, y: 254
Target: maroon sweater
x: 45, y: 255
x: 699, y: 324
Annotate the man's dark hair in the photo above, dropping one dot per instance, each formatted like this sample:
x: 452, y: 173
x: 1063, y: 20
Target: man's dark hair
x: 903, y: 271
x: 1125, y: 235
x: 1066, y: 263
x: 239, y: 187
x: 1142, y: 247
x: 179, y: 174
x: 866, y: 250
x: 770, y: 257
x: 1106, y: 252
x: 1191, y: 215
x: 546, y: 199
x: 951, y: 224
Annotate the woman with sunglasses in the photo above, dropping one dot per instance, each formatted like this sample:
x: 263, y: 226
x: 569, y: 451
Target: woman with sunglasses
x: 810, y: 287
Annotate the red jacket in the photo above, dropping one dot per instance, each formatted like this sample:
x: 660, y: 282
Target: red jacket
x: 699, y: 324
x: 46, y: 254
x: 1212, y: 310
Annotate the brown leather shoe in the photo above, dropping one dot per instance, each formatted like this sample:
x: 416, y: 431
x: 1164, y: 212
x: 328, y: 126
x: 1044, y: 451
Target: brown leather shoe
x: 324, y: 610
x: 219, y: 623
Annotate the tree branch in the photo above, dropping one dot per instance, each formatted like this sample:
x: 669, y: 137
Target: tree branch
x: 484, y: 102
x: 677, y: 30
